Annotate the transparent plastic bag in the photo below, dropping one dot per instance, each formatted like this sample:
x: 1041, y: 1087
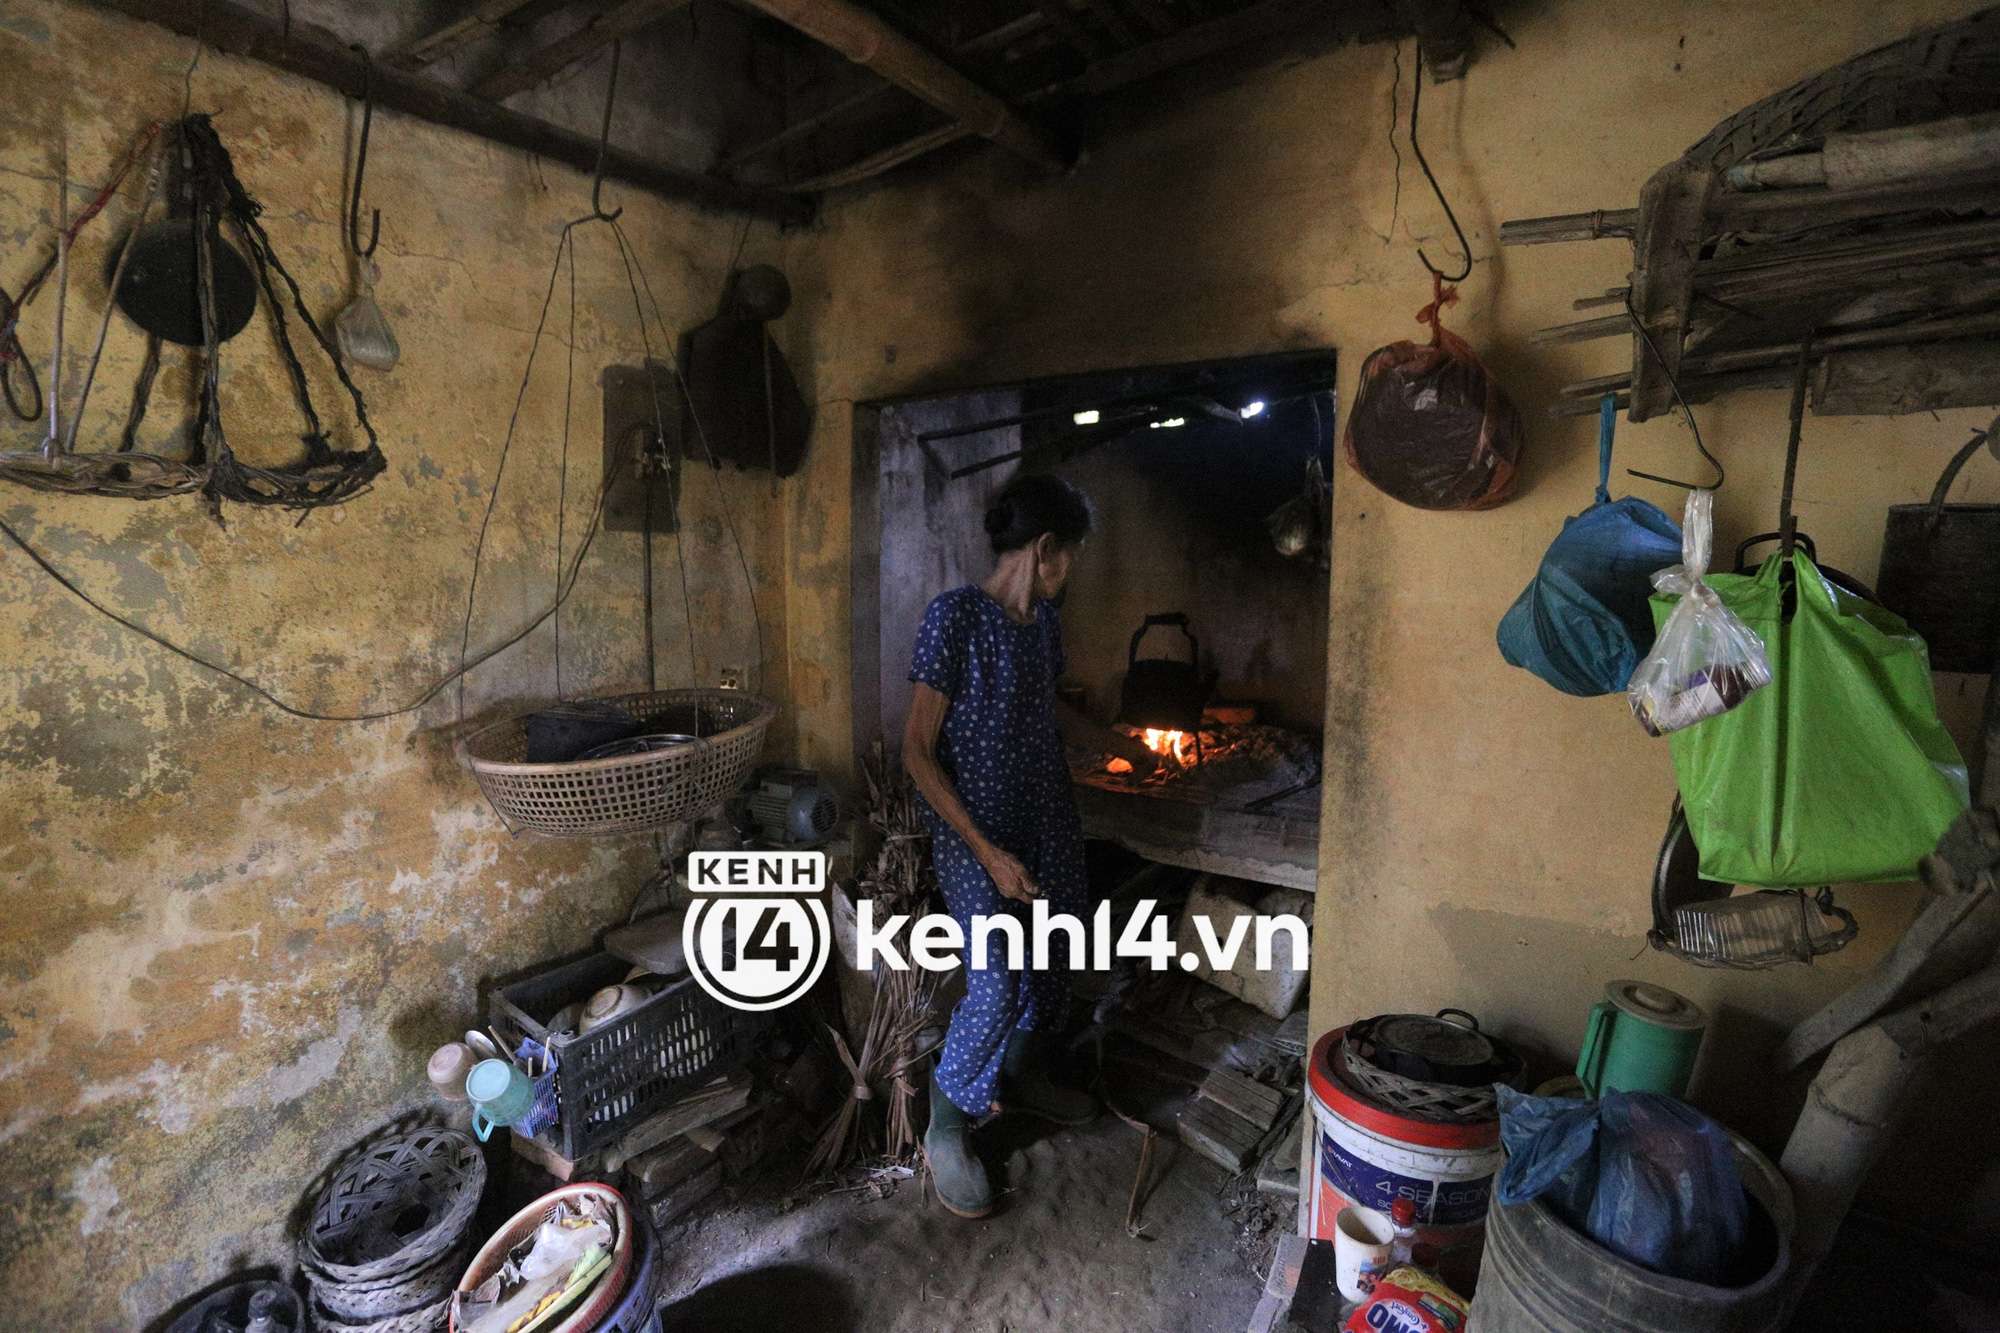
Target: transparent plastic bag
x: 1705, y: 660
x: 362, y: 330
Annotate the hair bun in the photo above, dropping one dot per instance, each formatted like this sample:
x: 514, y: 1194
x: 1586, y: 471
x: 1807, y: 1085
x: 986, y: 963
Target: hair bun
x: 999, y: 516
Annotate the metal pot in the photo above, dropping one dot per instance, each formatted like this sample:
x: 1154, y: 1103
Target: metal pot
x: 1160, y: 692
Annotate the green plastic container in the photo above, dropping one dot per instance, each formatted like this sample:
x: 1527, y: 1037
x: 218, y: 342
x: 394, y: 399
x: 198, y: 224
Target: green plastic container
x: 1641, y: 1038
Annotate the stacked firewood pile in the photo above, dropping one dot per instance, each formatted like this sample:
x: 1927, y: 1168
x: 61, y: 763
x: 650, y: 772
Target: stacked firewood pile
x: 1852, y: 221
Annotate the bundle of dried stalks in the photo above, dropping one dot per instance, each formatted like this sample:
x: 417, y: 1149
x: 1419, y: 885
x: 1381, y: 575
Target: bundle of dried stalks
x: 893, y: 1051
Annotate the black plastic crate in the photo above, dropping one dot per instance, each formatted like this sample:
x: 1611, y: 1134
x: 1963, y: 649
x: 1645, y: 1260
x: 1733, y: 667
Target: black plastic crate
x: 613, y: 1077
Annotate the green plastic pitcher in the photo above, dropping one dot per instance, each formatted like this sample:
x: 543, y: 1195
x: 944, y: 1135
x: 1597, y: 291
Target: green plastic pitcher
x: 1641, y: 1038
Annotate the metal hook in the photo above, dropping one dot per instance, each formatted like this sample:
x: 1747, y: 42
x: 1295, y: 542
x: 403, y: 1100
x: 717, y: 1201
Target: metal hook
x: 1673, y: 381
x: 1416, y: 100
x: 361, y: 165
x: 604, y: 143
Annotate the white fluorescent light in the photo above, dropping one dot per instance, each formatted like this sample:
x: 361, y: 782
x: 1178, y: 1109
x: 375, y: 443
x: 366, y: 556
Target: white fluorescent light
x: 1251, y: 410
x: 1168, y: 423
x: 1087, y: 418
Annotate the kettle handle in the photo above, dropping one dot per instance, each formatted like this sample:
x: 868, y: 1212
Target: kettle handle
x: 1178, y: 618
x: 1958, y: 460
x: 1468, y: 1016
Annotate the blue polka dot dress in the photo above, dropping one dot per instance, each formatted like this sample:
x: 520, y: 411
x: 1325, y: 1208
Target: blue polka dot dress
x: 1000, y: 748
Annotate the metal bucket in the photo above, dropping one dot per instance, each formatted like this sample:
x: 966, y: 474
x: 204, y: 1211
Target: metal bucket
x: 1941, y: 570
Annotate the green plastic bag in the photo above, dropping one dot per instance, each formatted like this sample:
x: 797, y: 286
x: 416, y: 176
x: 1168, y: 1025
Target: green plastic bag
x: 1837, y: 772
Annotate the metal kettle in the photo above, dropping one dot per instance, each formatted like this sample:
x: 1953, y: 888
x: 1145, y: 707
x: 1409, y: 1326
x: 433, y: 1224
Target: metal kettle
x: 1160, y: 692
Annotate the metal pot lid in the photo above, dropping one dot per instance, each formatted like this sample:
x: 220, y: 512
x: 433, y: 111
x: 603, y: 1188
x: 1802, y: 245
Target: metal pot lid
x: 1437, y: 1042
x: 1657, y: 1005
x: 637, y: 745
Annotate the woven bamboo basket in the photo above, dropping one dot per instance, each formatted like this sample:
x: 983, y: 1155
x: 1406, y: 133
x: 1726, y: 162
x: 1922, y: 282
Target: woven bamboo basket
x: 629, y: 793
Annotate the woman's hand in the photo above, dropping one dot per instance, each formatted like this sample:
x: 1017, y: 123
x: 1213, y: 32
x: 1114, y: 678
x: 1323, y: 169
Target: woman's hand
x: 1009, y: 875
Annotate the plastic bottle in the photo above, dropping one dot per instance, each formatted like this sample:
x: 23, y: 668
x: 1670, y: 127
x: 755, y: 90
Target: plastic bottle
x: 260, y: 1314
x: 1403, y: 1216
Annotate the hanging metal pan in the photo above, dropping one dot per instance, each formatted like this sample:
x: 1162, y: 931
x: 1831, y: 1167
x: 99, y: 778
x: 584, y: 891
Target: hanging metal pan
x: 161, y: 290
x: 1941, y: 570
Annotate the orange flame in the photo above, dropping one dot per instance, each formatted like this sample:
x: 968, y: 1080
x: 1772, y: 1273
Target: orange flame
x: 1172, y: 745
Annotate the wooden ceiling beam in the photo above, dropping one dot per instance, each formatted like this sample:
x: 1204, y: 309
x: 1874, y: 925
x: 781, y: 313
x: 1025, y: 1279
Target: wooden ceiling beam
x: 867, y: 97
x: 865, y: 38
x: 483, y: 21
x: 1189, y: 44
x: 311, y: 53
x: 615, y: 24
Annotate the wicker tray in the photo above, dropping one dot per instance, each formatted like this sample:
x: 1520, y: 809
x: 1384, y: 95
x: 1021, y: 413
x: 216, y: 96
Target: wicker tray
x: 593, y: 1307
x: 631, y: 792
x: 362, y: 1228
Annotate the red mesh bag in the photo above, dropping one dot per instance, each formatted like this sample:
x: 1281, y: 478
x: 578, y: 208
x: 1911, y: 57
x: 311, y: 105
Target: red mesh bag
x: 1430, y: 427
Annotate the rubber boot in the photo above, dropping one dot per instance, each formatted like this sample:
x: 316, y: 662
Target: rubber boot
x: 1025, y: 1083
x: 960, y: 1177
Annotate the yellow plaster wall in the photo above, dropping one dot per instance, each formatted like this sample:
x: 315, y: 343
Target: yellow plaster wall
x: 1487, y: 841
x: 229, y: 939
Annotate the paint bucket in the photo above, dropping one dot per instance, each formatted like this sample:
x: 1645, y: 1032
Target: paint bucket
x: 1640, y: 1038
x: 1367, y: 1154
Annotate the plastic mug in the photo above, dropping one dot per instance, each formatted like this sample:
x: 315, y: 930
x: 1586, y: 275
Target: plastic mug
x: 1362, y: 1238
x: 1640, y: 1038
x: 500, y: 1093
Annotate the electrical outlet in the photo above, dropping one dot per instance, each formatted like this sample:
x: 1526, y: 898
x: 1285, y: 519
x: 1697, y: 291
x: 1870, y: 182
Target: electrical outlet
x: 642, y: 461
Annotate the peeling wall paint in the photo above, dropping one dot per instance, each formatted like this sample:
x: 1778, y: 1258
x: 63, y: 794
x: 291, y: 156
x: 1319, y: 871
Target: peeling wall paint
x: 230, y: 938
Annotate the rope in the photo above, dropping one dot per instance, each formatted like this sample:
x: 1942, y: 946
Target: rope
x: 1441, y: 296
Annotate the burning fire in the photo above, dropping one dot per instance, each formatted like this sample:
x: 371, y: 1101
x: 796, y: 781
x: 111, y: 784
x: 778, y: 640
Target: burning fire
x: 1174, y: 746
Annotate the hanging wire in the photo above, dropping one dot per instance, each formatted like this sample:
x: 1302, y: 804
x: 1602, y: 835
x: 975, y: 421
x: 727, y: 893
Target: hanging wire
x: 633, y: 265
x: 597, y: 212
x: 562, y: 476
x: 1395, y: 117
x: 1674, y: 381
x: 1416, y: 101
x: 636, y: 279
x: 361, y: 165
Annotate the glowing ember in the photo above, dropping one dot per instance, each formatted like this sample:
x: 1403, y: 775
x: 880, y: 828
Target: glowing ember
x: 1118, y: 766
x: 1173, y: 745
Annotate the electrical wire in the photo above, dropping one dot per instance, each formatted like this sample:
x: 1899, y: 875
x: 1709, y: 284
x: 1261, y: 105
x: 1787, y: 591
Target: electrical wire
x: 701, y: 435
x: 636, y: 278
x: 562, y: 476
x: 1395, y: 116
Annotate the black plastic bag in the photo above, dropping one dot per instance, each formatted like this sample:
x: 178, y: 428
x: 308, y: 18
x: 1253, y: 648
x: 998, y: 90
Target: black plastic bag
x: 1430, y: 427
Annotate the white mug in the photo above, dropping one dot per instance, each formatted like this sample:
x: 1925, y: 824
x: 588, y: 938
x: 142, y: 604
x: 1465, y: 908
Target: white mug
x: 1362, y: 1240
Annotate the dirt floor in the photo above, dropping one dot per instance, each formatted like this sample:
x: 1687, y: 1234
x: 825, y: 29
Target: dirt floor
x: 1053, y: 1258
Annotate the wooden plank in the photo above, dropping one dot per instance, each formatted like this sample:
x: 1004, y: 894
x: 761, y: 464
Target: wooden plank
x: 483, y: 21
x: 888, y: 159
x: 864, y: 37
x: 654, y: 1172
x: 615, y: 24
x: 677, y: 1202
x: 710, y: 1102
x: 1222, y: 1136
x: 1673, y: 217
x: 1189, y: 44
x: 841, y: 110
x: 1599, y: 224
x: 1894, y: 381
x: 1583, y: 331
x: 1255, y: 1102
x: 314, y: 54
x: 1615, y: 296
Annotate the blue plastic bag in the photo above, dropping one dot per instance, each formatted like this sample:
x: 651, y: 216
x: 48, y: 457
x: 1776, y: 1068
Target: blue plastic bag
x: 1584, y: 622
x: 1644, y: 1175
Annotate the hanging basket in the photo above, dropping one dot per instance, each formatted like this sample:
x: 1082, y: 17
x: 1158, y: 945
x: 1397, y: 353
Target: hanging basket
x: 628, y: 793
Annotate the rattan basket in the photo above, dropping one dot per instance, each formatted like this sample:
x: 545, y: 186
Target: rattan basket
x: 628, y: 793
x: 1440, y: 1103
